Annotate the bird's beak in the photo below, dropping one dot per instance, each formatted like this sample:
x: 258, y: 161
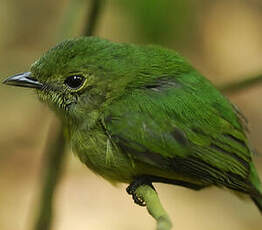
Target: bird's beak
x: 23, y: 80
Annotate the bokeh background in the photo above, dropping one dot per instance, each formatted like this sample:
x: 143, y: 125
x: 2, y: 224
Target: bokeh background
x: 222, y: 38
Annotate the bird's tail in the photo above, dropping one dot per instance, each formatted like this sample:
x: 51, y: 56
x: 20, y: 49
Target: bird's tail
x: 255, y: 181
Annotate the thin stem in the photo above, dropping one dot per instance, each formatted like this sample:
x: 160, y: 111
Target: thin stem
x: 95, y: 9
x: 241, y: 85
x: 53, y: 168
x: 56, y: 146
x: 154, y: 206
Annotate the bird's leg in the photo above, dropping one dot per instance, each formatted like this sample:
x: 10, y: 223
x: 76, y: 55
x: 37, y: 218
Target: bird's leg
x: 148, y: 180
x: 131, y: 189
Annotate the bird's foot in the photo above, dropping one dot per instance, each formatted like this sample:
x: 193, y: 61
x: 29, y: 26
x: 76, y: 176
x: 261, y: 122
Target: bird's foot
x: 131, y: 189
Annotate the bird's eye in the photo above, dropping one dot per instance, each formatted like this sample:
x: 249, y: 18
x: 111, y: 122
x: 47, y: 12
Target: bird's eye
x: 74, y: 81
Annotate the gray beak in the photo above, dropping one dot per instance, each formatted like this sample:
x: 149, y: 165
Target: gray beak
x: 23, y: 80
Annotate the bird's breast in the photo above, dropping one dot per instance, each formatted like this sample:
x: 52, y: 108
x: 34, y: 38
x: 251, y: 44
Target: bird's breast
x: 97, y: 152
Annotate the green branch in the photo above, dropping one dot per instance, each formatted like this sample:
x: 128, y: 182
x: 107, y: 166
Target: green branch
x: 154, y: 206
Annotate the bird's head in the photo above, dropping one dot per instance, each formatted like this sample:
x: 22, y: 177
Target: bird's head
x: 77, y: 76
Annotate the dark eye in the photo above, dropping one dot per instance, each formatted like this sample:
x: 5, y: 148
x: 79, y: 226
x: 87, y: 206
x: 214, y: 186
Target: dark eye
x: 74, y: 81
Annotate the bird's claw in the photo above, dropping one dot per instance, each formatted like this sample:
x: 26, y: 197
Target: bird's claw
x: 131, y: 190
x: 138, y: 200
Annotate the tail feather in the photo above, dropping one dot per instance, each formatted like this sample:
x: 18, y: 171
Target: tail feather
x: 255, y: 181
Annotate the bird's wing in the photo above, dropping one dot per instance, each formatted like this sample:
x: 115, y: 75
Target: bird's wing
x: 183, y: 124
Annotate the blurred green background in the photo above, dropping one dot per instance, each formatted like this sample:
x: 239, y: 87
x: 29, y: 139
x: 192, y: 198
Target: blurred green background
x: 222, y: 38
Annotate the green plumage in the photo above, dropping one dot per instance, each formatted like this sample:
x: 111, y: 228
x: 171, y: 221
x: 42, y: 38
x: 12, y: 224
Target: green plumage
x: 143, y: 111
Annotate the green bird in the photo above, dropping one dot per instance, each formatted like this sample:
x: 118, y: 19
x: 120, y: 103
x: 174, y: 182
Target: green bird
x: 143, y: 114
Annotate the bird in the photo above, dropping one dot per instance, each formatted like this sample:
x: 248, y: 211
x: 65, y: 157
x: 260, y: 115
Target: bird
x: 142, y: 114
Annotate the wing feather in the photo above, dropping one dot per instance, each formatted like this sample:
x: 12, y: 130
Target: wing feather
x: 178, y: 123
